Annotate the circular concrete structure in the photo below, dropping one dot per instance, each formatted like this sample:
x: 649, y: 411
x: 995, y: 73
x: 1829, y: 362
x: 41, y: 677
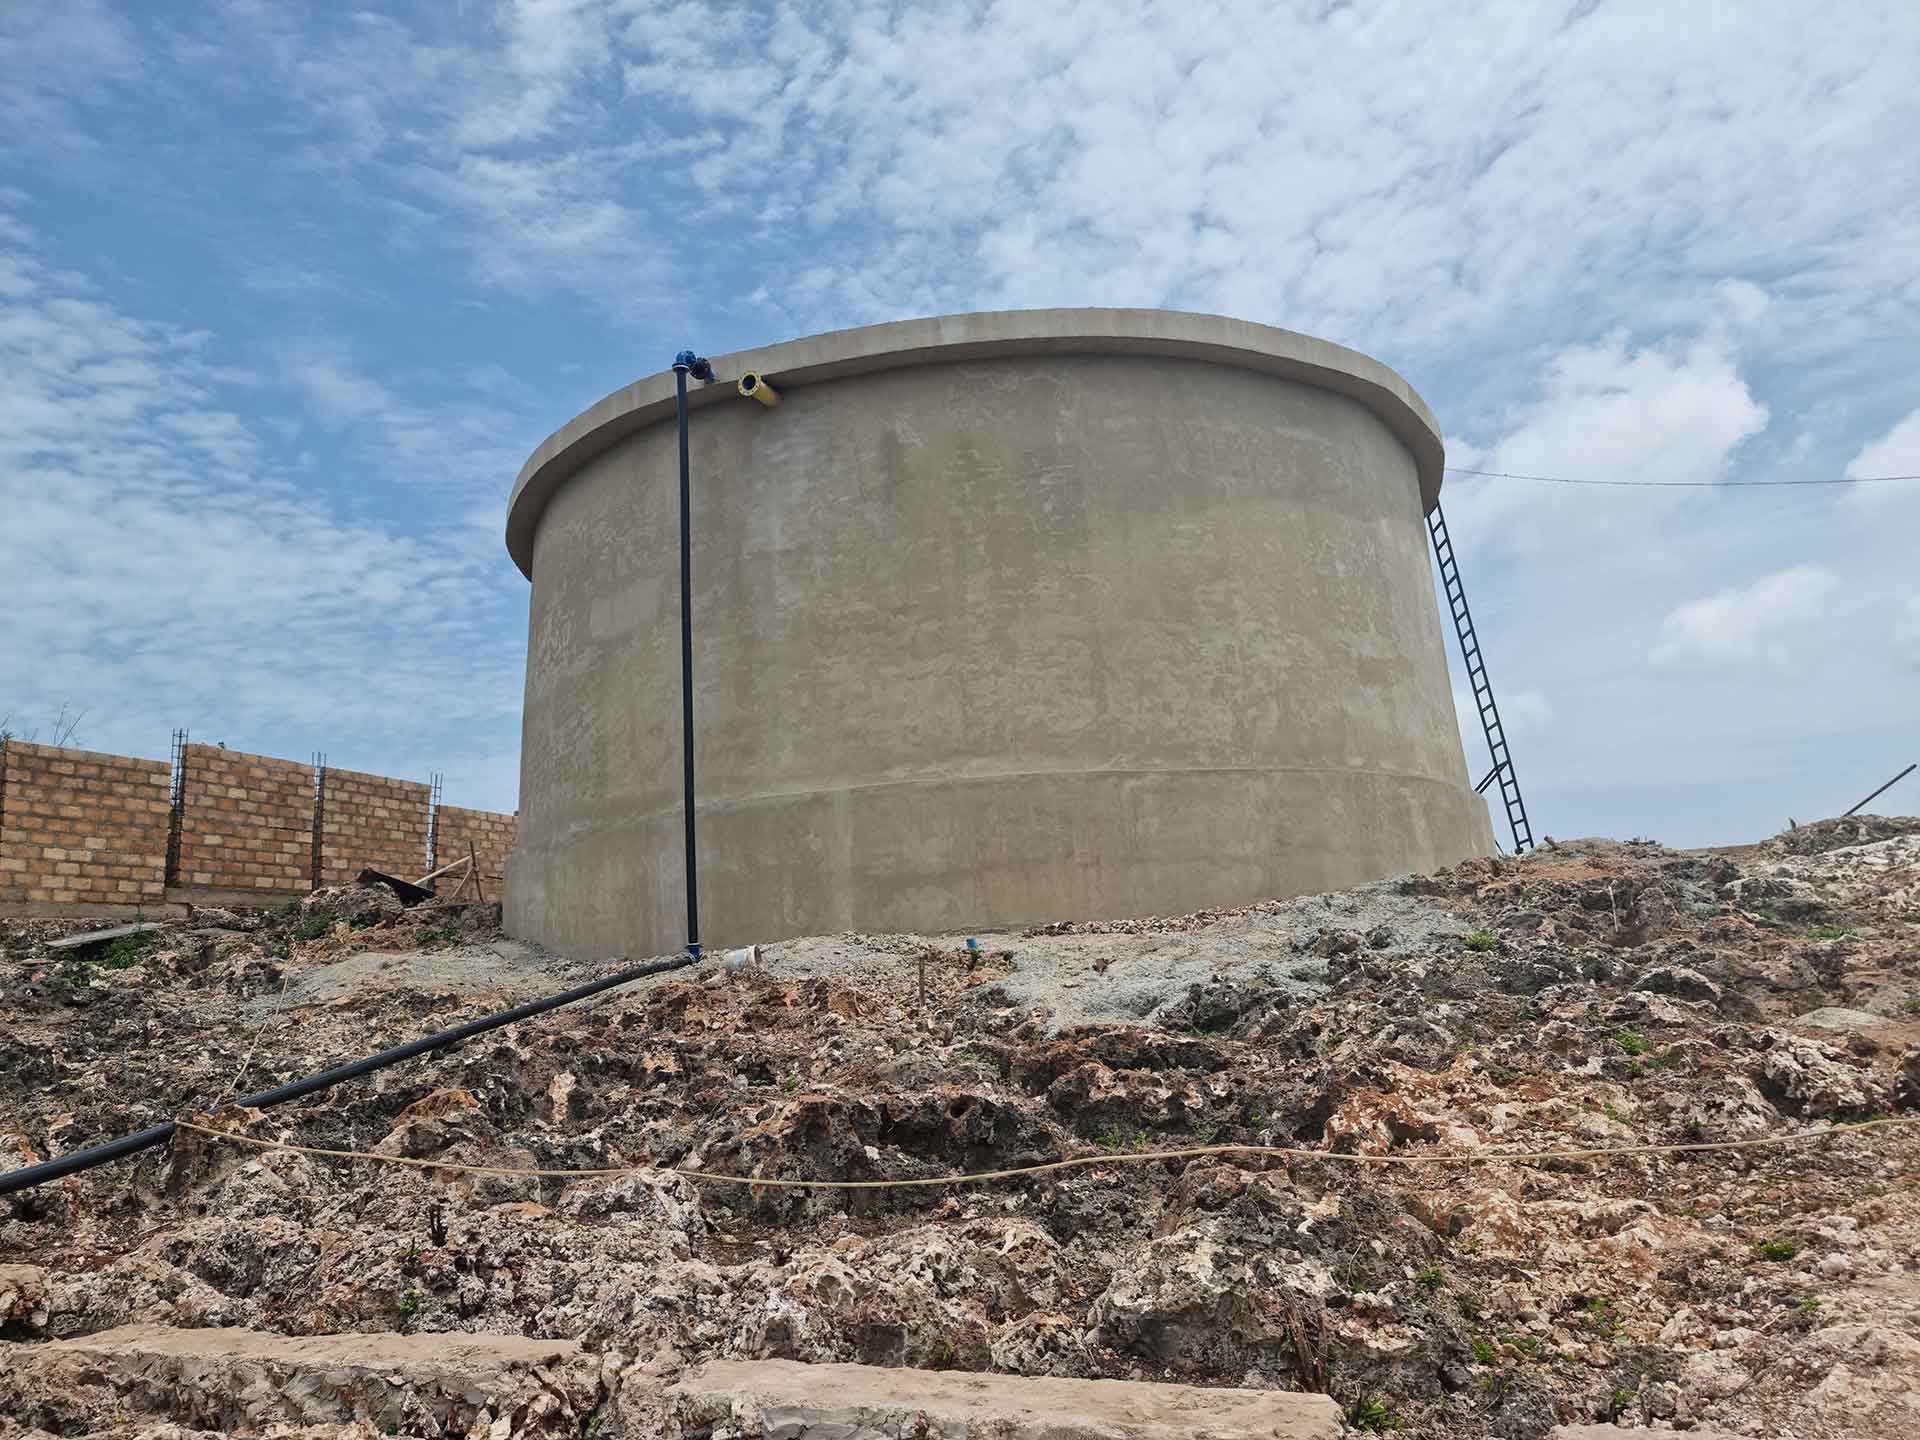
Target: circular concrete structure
x: 998, y: 619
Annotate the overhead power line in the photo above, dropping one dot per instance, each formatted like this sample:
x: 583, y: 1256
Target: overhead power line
x: 1685, y: 484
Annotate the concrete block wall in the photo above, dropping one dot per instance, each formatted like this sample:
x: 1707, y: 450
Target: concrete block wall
x: 81, y: 828
x: 490, y: 833
x: 84, y: 830
x: 370, y: 820
x: 246, y: 823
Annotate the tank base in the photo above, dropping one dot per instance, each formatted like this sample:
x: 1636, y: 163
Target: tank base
x: 987, y: 853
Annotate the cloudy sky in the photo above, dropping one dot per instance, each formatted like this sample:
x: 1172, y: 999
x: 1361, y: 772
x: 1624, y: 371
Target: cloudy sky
x: 288, y: 291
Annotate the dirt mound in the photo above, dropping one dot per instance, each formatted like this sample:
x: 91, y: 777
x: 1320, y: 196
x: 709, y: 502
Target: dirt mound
x: 1590, y: 995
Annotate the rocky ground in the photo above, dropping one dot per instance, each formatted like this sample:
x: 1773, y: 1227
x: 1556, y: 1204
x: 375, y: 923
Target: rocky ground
x: 1590, y: 994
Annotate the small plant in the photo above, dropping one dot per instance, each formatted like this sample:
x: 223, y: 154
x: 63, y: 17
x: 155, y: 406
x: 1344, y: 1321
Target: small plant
x: 1468, y: 1302
x: 1600, y: 1318
x: 439, y: 933
x: 1497, y: 1384
x: 1621, y: 1402
x: 1432, y: 1279
x: 1500, y: 1074
x: 1636, y: 1071
x: 790, y: 1084
x: 1525, y: 1344
x: 312, y: 928
x: 1694, y: 1130
x: 1371, y: 1414
x: 128, y: 950
x: 1482, y: 1351
x: 279, y: 947
x: 1481, y: 941
x: 1630, y: 1043
x: 1776, y: 1249
x: 1611, y: 1112
x: 409, y: 1302
x: 1830, y: 932
x: 1808, y: 1307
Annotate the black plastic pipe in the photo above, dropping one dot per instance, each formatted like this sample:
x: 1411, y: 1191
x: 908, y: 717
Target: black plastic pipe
x: 684, y: 362
x: 31, y: 1175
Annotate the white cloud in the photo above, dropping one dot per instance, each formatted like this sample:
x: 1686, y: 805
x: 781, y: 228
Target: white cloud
x: 60, y: 59
x: 1395, y: 181
x: 1895, y: 453
x: 1524, y: 714
x: 166, y: 567
x: 1621, y: 241
x: 1765, y: 624
x: 1607, y: 411
x: 1906, y: 635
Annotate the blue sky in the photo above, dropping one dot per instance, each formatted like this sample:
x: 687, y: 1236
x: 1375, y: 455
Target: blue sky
x: 288, y: 292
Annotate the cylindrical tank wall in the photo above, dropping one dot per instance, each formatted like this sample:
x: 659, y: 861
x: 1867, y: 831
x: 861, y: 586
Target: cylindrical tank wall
x: 987, y: 643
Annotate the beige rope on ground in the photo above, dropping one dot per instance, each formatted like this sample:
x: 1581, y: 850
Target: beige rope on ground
x: 1136, y: 1157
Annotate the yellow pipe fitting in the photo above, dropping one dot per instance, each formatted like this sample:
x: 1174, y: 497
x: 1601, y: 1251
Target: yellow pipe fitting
x: 754, y: 386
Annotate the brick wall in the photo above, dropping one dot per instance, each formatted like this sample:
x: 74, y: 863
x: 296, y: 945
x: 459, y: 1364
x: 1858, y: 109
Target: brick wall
x: 491, y: 833
x: 246, y: 822
x: 81, y: 828
x: 369, y: 820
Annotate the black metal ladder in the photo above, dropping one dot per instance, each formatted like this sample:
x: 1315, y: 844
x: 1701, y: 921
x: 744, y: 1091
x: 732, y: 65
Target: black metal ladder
x: 1502, y: 770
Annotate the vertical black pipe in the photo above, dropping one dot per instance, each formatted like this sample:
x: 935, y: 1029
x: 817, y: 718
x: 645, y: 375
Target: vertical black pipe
x: 686, y: 668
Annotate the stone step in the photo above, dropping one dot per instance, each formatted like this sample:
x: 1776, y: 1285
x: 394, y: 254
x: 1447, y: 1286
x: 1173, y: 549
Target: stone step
x: 246, y: 1380
x: 785, y: 1400
x: 1622, y: 1432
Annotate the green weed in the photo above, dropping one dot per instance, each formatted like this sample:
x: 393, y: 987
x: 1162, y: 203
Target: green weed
x: 1630, y: 1043
x: 1482, y: 941
x: 1600, y: 1318
x: 1776, y: 1249
x: 128, y: 950
x: 1371, y: 1414
x: 312, y: 928
x: 1432, y: 1279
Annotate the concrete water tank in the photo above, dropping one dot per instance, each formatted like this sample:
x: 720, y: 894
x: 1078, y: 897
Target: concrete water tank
x: 998, y: 619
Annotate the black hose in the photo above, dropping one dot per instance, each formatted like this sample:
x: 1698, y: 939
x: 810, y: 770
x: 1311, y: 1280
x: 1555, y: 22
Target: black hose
x: 29, y: 1176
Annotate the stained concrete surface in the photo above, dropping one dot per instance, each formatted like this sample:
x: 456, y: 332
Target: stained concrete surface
x: 1044, y: 631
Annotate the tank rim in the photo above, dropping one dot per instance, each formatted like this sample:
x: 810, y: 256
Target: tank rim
x: 982, y: 335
